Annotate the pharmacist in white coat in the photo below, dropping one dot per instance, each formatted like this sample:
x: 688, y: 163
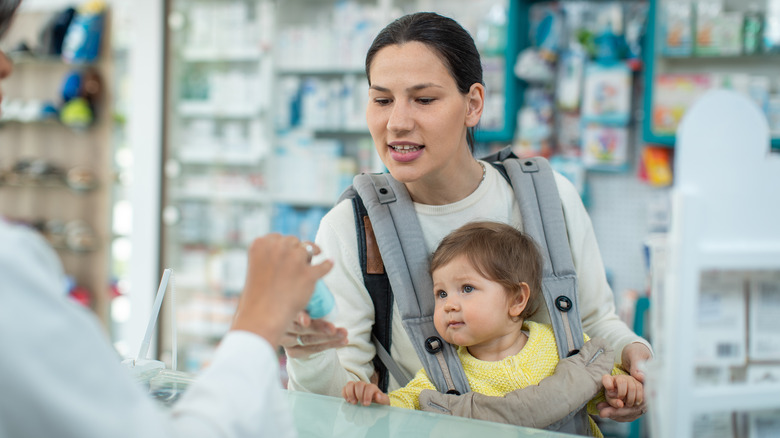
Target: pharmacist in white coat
x: 60, y: 377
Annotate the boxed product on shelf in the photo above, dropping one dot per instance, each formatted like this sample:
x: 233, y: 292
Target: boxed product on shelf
x: 718, y: 32
x: 677, y: 21
x: 764, y: 319
x: 773, y: 114
x: 761, y: 374
x: 674, y: 93
x: 714, y: 425
x: 721, y: 319
x: 607, y: 93
x: 711, y: 376
x: 765, y: 424
x: 772, y: 27
x: 604, y: 147
x: 315, y: 164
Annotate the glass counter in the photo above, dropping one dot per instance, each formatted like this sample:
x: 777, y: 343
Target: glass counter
x: 321, y: 416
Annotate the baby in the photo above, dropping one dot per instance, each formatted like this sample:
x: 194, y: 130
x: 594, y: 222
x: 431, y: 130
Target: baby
x: 487, y: 279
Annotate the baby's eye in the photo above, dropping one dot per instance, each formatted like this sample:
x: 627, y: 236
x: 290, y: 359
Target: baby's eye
x: 468, y: 289
x: 441, y: 294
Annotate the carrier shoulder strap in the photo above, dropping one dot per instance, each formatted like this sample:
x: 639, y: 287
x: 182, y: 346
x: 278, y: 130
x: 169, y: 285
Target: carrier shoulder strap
x: 399, y: 238
x: 375, y: 279
x: 533, y: 182
x: 536, y: 192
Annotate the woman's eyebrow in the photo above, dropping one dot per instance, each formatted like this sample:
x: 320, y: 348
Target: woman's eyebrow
x: 412, y: 88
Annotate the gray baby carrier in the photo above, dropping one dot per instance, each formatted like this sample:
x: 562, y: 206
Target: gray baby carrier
x: 395, y: 264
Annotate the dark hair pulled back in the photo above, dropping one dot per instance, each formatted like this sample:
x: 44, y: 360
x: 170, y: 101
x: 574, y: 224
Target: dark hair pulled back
x: 448, y: 39
x: 7, y: 10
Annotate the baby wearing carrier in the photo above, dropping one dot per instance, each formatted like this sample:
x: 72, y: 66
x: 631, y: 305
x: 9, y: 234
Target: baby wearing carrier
x: 390, y: 241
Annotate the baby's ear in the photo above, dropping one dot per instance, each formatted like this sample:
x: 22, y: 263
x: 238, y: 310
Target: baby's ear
x: 520, y: 299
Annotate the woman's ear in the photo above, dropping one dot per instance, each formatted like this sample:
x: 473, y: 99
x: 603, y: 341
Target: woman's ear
x: 476, y: 103
x: 520, y: 300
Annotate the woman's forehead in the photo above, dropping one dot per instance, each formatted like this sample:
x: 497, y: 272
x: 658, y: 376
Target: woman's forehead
x: 411, y: 62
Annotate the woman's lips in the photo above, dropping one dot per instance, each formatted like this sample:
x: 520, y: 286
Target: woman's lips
x: 405, y: 152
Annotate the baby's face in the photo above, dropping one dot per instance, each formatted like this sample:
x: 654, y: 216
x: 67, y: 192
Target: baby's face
x: 471, y: 310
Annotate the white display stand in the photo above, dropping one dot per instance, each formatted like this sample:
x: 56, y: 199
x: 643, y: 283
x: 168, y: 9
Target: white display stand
x: 726, y: 217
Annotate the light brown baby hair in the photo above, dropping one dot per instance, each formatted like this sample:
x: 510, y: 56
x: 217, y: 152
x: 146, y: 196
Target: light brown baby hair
x: 500, y: 253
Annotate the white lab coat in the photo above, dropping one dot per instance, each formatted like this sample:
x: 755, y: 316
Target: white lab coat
x: 60, y: 377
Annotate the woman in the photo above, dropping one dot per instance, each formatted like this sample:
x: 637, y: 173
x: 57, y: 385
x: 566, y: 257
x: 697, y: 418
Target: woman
x: 425, y: 97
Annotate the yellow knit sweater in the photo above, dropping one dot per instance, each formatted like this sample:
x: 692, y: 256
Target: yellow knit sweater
x: 534, y: 362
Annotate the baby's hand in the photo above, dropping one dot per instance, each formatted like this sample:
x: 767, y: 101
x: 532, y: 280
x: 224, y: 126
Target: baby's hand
x: 364, y: 393
x: 623, y: 391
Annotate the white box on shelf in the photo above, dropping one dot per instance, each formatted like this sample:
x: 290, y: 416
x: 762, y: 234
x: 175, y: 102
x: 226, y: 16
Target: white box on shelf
x: 764, y: 424
x: 763, y: 374
x: 721, y: 319
x: 764, y: 320
x: 717, y: 425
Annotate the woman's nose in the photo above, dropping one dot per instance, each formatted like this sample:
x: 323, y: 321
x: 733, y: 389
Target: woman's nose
x: 6, y: 66
x: 400, y: 119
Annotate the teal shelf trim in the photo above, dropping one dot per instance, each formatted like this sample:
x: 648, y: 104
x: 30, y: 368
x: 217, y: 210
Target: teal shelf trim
x: 649, y: 60
x: 517, y: 36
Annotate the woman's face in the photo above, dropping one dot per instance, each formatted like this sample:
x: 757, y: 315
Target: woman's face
x: 5, y: 70
x: 416, y: 114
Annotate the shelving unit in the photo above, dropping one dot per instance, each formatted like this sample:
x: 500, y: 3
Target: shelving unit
x: 50, y: 203
x: 723, y: 248
x: 658, y: 63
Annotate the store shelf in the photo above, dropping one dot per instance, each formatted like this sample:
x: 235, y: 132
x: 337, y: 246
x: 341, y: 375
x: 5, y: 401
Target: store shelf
x: 211, y: 110
x: 739, y: 255
x: 320, y: 71
x: 747, y: 397
x: 42, y: 192
x: 229, y: 54
x: 305, y: 202
x: 216, y: 157
x: 341, y: 131
x: 223, y: 196
x: 23, y: 59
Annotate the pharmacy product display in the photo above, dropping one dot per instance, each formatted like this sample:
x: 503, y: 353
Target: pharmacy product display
x: 56, y: 132
x: 579, y: 71
x: 699, y: 45
x: 721, y: 289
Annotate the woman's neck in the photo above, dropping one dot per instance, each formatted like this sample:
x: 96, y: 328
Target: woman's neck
x: 450, y: 185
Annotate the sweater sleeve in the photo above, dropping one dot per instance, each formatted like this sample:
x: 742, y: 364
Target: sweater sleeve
x: 327, y: 372
x: 595, y: 298
x: 409, y: 396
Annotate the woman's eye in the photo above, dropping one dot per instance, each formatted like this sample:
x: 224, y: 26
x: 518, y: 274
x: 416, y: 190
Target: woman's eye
x: 382, y: 102
x: 441, y: 294
x: 468, y: 289
x: 425, y: 100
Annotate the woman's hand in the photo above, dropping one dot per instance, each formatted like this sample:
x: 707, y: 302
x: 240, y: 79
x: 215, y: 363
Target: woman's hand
x: 633, y: 354
x: 307, y: 336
